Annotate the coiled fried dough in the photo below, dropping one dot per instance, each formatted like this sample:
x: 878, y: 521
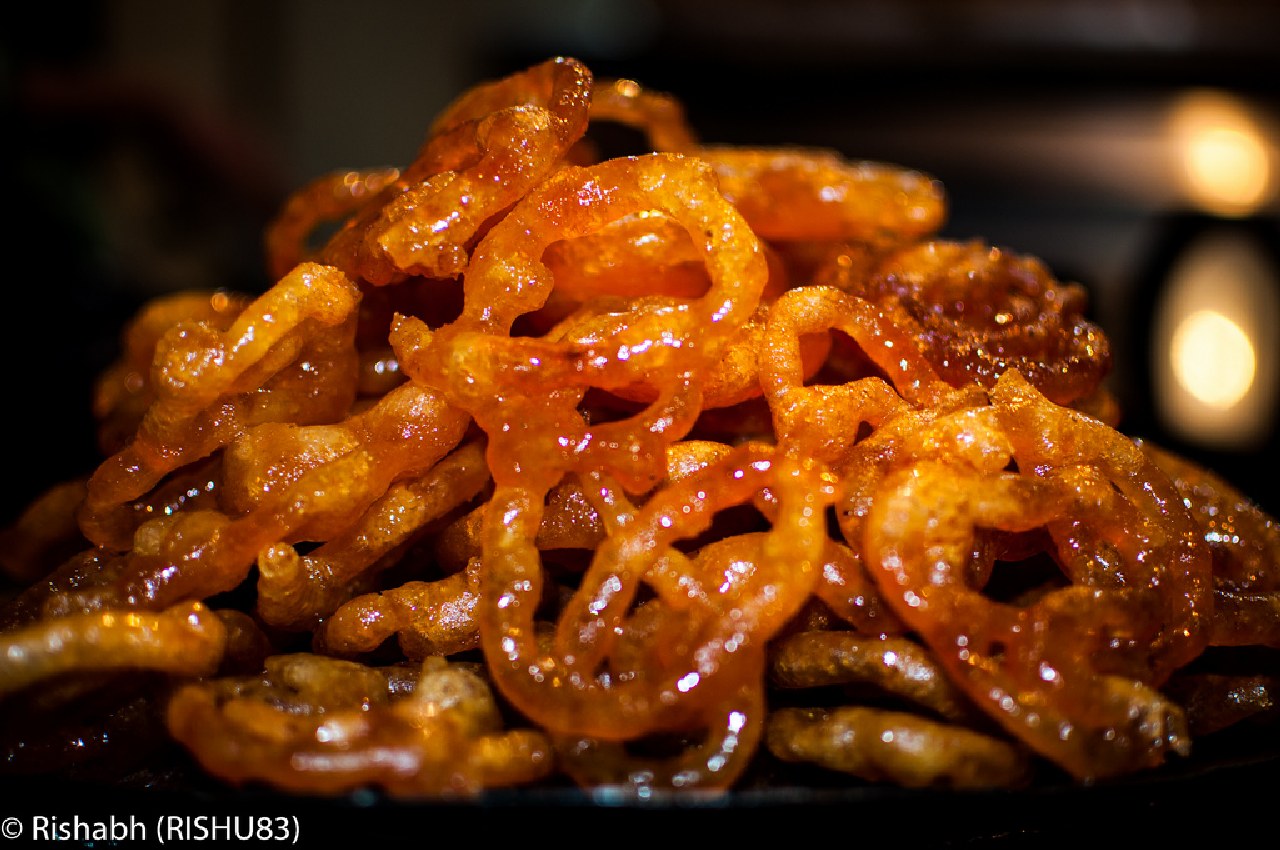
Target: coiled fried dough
x: 640, y: 473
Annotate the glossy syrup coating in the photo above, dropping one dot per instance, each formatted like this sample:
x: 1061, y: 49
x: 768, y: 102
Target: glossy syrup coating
x: 1244, y: 544
x: 1216, y: 701
x: 331, y: 197
x: 314, y: 724
x: 732, y: 379
x: 429, y: 618
x: 299, y: 496
x: 570, y: 519
x: 806, y: 194
x: 484, y: 152
x: 124, y: 391
x: 659, y: 115
x: 559, y: 687
x: 187, y: 640
x: 1164, y: 553
x: 980, y: 311
x: 1072, y: 673
x: 211, y: 384
x: 298, y: 591
x: 700, y: 458
x: 850, y: 593
x: 822, y: 419
x: 734, y: 728
x: 515, y: 387
x: 645, y: 255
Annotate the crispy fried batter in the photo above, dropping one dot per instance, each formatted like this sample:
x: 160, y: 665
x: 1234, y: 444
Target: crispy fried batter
x: 684, y: 415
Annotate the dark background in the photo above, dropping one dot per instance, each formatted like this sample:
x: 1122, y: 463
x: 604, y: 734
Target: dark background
x: 150, y: 142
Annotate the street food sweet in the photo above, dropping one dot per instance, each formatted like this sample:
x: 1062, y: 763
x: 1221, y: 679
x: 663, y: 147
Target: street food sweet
x: 634, y: 472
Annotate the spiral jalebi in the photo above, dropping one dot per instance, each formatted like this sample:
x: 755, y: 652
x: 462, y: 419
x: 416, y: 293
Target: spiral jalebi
x: 656, y: 472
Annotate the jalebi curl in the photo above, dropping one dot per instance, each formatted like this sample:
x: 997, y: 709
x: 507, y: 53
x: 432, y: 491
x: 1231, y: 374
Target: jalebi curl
x: 714, y: 616
x: 287, y: 357
x: 978, y: 312
x: 315, y: 724
x: 788, y: 194
x: 676, y: 472
x: 483, y: 153
x: 298, y: 591
x: 331, y: 197
x: 659, y: 116
x: 524, y: 392
x: 1244, y: 543
x: 1072, y: 674
x: 124, y: 391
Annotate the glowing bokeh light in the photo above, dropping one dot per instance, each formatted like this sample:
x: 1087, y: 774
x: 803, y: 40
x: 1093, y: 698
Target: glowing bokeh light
x: 1225, y: 156
x: 1216, y: 366
x: 1213, y: 358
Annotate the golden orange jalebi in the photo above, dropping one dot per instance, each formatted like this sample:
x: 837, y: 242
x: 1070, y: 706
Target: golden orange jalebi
x: 635, y: 472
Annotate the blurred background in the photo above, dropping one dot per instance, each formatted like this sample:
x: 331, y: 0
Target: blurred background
x: 1131, y: 144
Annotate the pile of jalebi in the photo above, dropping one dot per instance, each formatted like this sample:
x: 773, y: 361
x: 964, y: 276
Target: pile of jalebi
x: 656, y: 471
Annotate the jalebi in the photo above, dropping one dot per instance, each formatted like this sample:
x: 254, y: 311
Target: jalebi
x: 656, y: 472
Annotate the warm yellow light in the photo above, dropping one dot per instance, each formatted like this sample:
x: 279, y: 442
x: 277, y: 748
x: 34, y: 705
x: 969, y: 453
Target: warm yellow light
x: 1213, y: 358
x: 1225, y: 156
x: 1228, y: 168
x: 1216, y: 372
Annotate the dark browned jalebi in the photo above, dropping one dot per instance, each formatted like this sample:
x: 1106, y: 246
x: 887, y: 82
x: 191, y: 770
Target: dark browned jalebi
x: 636, y: 473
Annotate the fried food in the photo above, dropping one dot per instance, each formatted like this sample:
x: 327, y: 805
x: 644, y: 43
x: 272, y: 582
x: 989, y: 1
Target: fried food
x: 1074, y: 672
x: 321, y: 725
x: 187, y: 639
x: 893, y: 666
x: 635, y: 473
x: 1244, y: 544
x: 484, y: 152
x: 977, y: 312
x: 887, y: 746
